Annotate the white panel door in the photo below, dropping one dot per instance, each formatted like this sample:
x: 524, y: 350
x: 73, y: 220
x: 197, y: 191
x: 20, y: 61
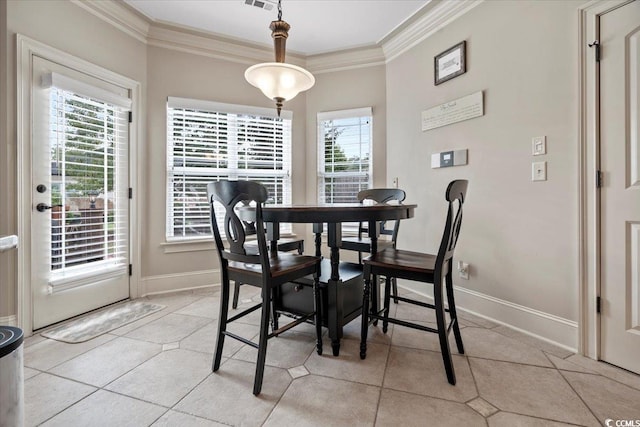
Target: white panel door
x: 80, y: 199
x: 620, y: 194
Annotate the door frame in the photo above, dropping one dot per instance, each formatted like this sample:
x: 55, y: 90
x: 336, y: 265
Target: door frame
x: 589, y: 255
x: 26, y: 49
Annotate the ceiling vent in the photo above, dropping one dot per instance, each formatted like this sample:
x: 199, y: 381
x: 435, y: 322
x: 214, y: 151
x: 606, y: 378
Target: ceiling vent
x: 262, y: 4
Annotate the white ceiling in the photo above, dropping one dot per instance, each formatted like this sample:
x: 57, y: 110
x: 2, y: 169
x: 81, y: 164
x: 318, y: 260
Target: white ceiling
x: 317, y: 26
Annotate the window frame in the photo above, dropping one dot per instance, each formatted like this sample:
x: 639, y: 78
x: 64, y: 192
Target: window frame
x: 234, y: 111
x: 323, y: 117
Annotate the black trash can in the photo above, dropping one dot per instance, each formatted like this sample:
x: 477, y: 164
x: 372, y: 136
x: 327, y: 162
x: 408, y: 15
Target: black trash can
x: 11, y: 377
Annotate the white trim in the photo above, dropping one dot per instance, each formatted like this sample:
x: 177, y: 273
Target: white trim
x: 69, y: 84
x: 8, y: 320
x: 87, y: 276
x: 201, y: 104
x: 119, y: 15
x: 137, y: 181
x: 188, y: 245
x: 175, y: 37
x: 164, y: 283
x: 345, y: 114
x: 183, y: 39
x: 440, y: 16
x: 27, y: 48
x: 346, y: 60
x: 589, y: 162
x: 547, y: 327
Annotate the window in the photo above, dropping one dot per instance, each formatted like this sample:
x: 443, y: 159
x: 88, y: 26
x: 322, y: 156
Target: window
x: 344, y: 147
x: 208, y: 141
x: 88, y: 146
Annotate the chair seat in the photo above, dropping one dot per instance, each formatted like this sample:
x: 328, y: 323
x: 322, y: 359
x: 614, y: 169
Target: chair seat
x: 281, y: 264
x: 403, y: 260
x: 362, y: 244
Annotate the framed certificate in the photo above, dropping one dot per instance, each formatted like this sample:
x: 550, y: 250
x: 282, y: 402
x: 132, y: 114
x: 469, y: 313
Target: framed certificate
x: 450, y: 63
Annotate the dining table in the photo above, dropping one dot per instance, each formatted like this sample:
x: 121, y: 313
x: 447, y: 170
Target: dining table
x: 341, y: 282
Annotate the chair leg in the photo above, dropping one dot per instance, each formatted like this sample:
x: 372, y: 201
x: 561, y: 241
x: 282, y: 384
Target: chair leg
x: 236, y: 293
x: 453, y: 313
x: 395, y: 290
x: 222, y: 320
x: 365, y: 313
x: 387, y: 298
x: 262, y: 343
x: 375, y: 299
x: 442, y: 330
x: 318, y: 309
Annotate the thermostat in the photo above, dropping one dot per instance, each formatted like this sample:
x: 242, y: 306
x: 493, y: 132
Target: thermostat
x: 445, y: 159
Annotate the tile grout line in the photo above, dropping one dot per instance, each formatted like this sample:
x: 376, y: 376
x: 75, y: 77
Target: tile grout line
x: 578, y: 394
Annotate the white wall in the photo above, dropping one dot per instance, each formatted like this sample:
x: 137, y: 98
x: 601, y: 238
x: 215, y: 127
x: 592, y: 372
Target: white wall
x: 173, y: 73
x: 520, y: 237
x: 179, y: 74
x: 343, y: 90
x: 67, y: 27
x: 164, y: 72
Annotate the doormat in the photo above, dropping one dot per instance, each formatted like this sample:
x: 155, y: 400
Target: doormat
x: 101, y: 322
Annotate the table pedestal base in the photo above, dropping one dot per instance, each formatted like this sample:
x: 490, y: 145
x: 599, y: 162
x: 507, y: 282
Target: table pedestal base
x: 341, y: 300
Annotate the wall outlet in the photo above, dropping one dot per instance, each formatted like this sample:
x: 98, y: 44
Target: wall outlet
x: 463, y: 270
x: 395, y: 182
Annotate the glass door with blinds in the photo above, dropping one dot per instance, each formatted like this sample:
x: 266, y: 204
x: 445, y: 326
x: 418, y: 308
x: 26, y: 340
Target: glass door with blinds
x: 80, y: 215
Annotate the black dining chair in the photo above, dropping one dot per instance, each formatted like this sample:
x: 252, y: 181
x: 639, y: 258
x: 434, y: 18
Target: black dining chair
x: 421, y: 267
x: 362, y: 243
x: 265, y: 269
x: 283, y: 245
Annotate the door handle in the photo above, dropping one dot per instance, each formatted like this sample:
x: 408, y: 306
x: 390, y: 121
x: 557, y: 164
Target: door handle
x: 41, y: 207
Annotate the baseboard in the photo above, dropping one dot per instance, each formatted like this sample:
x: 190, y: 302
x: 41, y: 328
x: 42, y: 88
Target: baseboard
x: 547, y: 327
x: 164, y: 283
x: 8, y: 320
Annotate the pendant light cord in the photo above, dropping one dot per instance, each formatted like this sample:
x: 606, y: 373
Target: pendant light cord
x: 279, y: 10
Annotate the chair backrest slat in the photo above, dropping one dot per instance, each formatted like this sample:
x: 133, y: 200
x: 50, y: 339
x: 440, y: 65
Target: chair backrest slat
x: 230, y: 194
x: 383, y: 195
x: 455, y: 195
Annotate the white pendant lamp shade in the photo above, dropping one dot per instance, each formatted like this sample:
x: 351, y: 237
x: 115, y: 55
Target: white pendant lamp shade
x: 278, y: 80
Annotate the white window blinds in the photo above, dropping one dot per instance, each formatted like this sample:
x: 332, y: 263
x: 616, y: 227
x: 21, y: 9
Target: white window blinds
x: 89, y: 143
x: 344, y: 148
x: 208, y: 141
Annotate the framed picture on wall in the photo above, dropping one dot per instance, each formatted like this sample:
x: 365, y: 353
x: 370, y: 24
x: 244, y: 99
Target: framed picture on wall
x: 450, y: 63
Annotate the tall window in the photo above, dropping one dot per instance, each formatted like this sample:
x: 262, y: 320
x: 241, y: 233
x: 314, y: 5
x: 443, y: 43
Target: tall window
x: 344, y: 148
x: 208, y: 141
x: 88, y: 144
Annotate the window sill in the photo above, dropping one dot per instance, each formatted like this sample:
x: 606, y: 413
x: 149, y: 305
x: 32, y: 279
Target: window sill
x: 196, y: 245
x: 193, y: 245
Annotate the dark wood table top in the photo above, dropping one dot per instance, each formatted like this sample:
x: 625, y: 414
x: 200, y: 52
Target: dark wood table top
x: 336, y: 213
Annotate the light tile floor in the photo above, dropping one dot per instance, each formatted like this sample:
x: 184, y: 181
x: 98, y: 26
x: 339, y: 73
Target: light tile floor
x: 157, y: 371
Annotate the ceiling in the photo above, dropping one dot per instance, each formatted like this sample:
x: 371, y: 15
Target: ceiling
x: 317, y: 26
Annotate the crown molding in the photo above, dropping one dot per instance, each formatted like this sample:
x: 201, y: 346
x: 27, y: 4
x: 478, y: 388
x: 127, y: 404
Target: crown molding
x: 436, y: 18
x: 206, y: 44
x: 119, y: 15
x: 345, y: 60
x: 174, y: 37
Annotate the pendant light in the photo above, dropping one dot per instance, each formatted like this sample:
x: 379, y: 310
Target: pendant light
x: 278, y: 80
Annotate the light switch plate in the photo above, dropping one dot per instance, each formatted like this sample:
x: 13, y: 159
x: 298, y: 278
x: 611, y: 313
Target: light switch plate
x: 539, y: 145
x: 539, y: 171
